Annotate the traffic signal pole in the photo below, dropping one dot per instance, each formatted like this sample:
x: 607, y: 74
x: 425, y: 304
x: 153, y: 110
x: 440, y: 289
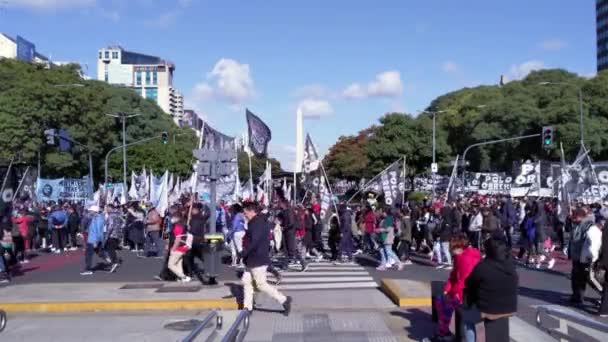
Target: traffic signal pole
x: 464, y: 154
x: 105, y: 178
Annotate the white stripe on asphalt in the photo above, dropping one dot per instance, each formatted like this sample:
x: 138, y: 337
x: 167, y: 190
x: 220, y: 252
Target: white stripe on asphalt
x: 323, y: 268
x: 325, y: 280
x: 325, y: 273
x: 288, y: 287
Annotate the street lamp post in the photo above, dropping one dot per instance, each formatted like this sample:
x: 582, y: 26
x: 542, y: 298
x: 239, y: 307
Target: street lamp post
x: 123, y: 118
x: 580, y: 104
x: 124, y: 147
x: 433, y: 169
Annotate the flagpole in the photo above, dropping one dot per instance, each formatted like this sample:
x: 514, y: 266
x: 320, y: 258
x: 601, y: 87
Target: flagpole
x: 404, y: 178
x: 200, y: 145
x: 21, y: 182
x: 8, y: 170
x: 250, y: 173
x: 371, y: 180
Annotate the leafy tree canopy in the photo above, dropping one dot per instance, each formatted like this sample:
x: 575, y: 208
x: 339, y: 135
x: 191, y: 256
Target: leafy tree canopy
x: 33, y: 99
x: 472, y: 115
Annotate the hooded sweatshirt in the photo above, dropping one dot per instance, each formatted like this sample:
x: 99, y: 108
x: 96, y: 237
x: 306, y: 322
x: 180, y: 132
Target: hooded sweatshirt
x: 492, y: 286
x: 464, y: 263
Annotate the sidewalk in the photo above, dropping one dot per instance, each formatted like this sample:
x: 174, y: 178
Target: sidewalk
x: 66, y: 297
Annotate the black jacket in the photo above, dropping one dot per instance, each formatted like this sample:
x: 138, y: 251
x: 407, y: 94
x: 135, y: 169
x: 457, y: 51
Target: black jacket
x: 604, y: 251
x: 198, y: 223
x: 74, y: 222
x: 492, y: 286
x: 257, y: 243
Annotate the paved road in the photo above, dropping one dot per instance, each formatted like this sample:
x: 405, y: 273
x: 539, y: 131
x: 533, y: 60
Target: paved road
x: 323, y: 287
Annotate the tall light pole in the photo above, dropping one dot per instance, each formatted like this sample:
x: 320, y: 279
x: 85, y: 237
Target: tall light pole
x: 434, y: 164
x: 580, y: 104
x: 123, y: 118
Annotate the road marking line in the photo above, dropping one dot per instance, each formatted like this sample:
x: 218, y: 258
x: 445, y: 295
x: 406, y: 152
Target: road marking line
x: 325, y: 280
x: 120, y: 305
x: 324, y: 273
x: 327, y: 286
x: 323, y: 268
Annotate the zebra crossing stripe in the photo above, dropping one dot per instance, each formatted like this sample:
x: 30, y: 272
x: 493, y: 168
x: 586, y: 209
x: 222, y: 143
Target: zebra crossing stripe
x: 324, y: 268
x: 327, y: 286
x: 324, y: 273
x: 325, y: 280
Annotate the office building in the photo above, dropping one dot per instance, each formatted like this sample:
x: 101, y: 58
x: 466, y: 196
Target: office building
x: 176, y: 105
x: 601, y: 22
x: 150, y: 76
x: 21, y: 49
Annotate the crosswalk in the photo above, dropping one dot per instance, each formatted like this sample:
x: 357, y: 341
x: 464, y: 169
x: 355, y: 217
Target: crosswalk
x: 327, y: 276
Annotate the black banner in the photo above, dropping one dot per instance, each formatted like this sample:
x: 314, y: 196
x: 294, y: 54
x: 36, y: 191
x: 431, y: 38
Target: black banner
x: 390, y: 183
x: 259, y: 134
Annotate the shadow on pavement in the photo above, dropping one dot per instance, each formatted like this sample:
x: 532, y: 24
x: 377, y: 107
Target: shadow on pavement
x: 420, y: 323
x: 236, y: 291
x: 558, y: 298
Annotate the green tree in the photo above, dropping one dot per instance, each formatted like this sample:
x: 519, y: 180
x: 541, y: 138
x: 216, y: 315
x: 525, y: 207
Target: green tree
x: 347, y: 158
x: 33, y: 99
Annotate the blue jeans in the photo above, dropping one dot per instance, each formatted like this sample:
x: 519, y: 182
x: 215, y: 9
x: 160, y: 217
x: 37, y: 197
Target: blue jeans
x: 442, y: 250
x: 2, y: 264
x: 386, y: 254
x: 155, y: 238
x: 468, y: 332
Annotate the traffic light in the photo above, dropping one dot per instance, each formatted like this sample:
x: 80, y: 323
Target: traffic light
x: 547, y: 136
x: 50, y: 136
x: 164, y: 137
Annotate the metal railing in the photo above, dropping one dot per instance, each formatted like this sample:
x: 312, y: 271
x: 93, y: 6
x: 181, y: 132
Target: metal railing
x: 235, y: 333
x: 2, y: 320
x: 569, y: 318
x: 238, y: 329
x: 199, y: 328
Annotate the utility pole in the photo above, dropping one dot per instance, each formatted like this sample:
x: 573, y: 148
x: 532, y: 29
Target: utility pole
x: 123, y: 118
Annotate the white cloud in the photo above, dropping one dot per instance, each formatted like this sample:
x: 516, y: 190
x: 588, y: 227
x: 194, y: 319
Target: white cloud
x: 50, y: 4
x: 522, y: 70
x: 229, y: 81
x: 315, y: 107
x: 553, y: 44
x: 386, y: 84
x: 450, y: 67
x: 355, y: 91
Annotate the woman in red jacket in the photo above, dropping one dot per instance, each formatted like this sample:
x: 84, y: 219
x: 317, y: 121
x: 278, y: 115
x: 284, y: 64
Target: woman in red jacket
x: 23, y: 221
x: 465, y: 260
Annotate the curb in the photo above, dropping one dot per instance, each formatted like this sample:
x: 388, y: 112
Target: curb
x: 393, y: 291
x: 99, y: 306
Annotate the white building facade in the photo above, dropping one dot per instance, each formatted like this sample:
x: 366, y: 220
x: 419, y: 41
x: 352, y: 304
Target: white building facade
x: 150, y: 76
x: 21, y: 49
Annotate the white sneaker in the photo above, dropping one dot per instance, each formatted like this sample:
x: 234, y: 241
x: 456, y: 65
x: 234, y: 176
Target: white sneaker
x: 551, y: 263
x: 407, y: 262
x: 186, y: 279
x: 537, y: 266
x: 438, y: 267
x: 448, y: 267
x: 57, y: 251
x: 24, y: 261
x: 541, y: 259
x: 74, y: 248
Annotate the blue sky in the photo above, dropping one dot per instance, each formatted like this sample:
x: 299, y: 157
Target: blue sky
x: 346, y: 63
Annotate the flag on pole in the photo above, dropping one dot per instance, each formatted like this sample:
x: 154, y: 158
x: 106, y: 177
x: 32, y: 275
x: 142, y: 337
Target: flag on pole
x: 259, y: 134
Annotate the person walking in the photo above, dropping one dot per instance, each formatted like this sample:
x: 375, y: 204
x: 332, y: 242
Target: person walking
x: 492, y: 289
x: 73, y: 227
x: 603, y: 263
x: 256, y: 258
x: 405, y: 237
x: 154, y: 240
x: 465, y: 260
x: 584, y: 220
x: 236, y: 234
x: 114, y: 232
x: 94, y: 239
x: 183, y: 242
x: 22, y: 222
x: 346, y: 238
